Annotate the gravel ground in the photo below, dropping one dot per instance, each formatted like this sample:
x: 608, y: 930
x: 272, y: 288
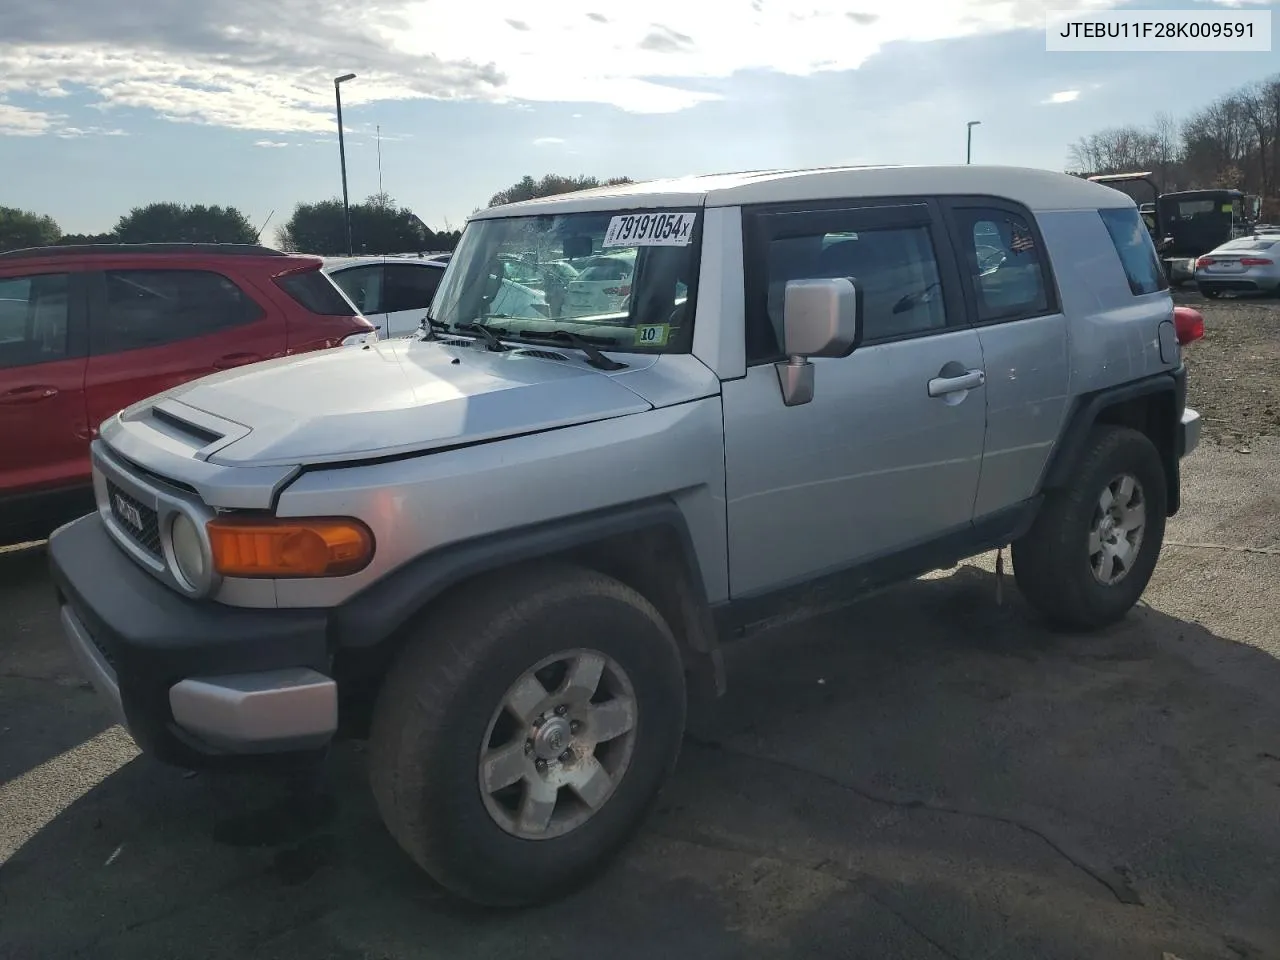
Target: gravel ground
x: 1234, y: 372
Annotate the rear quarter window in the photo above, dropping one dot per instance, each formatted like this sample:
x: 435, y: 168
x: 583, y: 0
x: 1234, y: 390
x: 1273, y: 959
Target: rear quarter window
x: 1137, y: 253
x: 315, y: 292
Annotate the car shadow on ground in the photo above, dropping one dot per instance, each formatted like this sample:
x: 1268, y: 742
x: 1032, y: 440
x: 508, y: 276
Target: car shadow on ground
x: 29, y: 664
x: 927, y: 774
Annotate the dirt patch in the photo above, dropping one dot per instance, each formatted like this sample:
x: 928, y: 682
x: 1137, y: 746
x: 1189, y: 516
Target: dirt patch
x: 1234, y: 372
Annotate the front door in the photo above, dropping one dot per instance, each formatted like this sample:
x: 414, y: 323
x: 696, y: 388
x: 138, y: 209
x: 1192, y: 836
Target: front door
x: 44, y: 441
x: 363, y: 287
x: 888, y: 453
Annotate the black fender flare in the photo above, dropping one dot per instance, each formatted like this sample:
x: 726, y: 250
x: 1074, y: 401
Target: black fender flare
x: 378, y: 612
x: 1086, y: 413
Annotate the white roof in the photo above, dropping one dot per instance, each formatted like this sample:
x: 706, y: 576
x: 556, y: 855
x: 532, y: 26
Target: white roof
x: 1038, y: 190
x: 339, y: 263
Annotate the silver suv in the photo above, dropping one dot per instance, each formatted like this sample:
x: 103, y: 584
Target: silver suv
x: 520, y: 537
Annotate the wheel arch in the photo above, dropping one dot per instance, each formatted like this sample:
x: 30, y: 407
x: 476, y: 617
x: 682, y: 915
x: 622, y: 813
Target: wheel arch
x: 646, y: 545
x: 1153, y: 406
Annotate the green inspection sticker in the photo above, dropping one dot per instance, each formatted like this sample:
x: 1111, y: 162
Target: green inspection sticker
x: 1226, y: 208
x: 652, y: 335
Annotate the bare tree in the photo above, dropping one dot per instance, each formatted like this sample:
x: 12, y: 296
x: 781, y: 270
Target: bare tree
x: 1232, y: 142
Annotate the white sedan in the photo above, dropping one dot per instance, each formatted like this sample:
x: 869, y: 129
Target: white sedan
x: 1243, y: 265
x: 393, y: 293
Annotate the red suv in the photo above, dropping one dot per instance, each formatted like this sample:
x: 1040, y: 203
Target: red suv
x: 85, y: 331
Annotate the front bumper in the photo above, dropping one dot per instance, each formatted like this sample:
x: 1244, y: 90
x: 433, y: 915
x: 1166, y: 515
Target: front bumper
x: 193, y: 682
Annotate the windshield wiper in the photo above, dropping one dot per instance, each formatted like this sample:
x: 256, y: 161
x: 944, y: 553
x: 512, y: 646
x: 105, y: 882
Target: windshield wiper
x: 578, y: 342
x: 490, y: 334
x: 430, y: 326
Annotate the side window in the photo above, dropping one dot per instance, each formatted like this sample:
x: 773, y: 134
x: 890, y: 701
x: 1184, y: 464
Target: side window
x: 148, y: 308
x: 895, y: 270
x: 410, y: 288
x: 1005, y: 264
x: 1137, y: 253
x: 363, y: 287
x: 33, y: 319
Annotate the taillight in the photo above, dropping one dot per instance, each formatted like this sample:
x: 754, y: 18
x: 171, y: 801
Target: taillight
x: 1205, y: 261
x: 1188, y: 325
x: 1255, y: 262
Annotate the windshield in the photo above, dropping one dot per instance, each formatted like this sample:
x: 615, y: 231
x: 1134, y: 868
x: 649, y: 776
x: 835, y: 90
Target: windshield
x: 623, y: 279
x: 1208, y: 207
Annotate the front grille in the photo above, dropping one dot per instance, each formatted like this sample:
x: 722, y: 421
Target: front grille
x: 136, y: 519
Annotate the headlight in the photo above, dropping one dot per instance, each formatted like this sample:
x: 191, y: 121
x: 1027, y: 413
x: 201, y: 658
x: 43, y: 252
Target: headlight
x: 188, y: 550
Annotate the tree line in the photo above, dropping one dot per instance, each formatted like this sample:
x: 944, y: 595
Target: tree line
x: 1233, y: 142
x: 378, y: 225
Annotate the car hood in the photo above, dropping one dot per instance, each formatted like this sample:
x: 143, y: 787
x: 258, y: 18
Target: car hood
x: 393, y: 397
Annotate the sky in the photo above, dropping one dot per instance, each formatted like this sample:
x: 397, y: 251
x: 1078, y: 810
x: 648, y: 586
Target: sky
x: 104, y: 107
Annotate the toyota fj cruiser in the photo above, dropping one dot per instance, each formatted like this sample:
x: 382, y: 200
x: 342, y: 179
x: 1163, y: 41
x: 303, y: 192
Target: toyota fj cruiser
x: 522, y: 536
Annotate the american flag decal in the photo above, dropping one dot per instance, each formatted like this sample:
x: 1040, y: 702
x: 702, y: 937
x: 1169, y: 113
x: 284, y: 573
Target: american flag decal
x: 1022, y: 242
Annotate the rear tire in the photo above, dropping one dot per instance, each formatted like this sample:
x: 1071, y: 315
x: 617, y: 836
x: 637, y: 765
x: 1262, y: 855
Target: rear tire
x: 1069, y: 564
x: 459, y: 716
x: 1210, y: 292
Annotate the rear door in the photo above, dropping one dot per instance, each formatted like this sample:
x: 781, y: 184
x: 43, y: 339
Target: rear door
x: 154, y: 328
x: 408, y: 289
x: 43, y: 429
x: 1012, y: 302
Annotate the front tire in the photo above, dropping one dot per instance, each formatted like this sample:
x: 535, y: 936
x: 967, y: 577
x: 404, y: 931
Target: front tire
x: 1092, y: 550
x: 525, y: 730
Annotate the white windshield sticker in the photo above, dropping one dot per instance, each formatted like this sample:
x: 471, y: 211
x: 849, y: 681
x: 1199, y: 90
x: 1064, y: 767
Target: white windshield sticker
x: 650, y: 230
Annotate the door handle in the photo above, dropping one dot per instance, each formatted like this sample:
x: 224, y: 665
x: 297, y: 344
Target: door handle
x: 235, y: 360
x: 969, y: 380
x: 32, y: 394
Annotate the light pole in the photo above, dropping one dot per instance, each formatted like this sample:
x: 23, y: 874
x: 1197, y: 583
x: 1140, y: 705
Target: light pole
x: 968, y: 147
x: 342, y: 154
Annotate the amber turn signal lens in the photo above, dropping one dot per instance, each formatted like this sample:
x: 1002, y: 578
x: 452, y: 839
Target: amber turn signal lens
x: 289, y: 547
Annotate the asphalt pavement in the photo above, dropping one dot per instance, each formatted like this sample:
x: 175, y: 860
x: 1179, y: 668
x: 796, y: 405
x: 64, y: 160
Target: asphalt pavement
x: 929, y: 774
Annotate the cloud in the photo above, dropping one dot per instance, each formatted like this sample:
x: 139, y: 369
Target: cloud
x: 665, y: 40
x: 17, y: 122
x: 70, y: 133
x: 548, y: 141
x: 272, y: 143
x: 270, y: 67
x: 1062, y: 96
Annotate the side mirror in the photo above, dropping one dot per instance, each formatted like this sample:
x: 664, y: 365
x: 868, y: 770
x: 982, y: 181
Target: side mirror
x: 820, y: 319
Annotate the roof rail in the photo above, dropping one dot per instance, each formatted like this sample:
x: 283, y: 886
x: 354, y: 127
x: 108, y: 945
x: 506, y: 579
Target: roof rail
x: 80, y: 249
x: 1118, y: 177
